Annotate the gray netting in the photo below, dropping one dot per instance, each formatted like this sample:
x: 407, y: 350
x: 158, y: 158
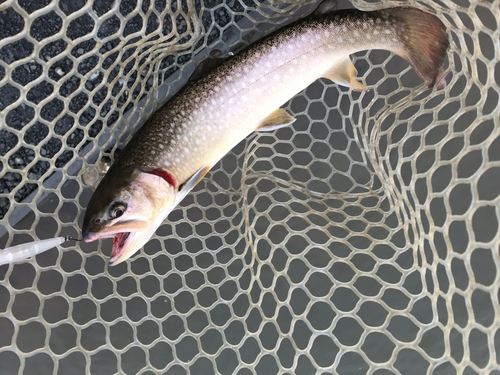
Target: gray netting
x: 364, y: 239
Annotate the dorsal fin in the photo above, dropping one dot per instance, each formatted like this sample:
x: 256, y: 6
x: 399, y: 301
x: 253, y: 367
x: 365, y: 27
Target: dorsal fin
x: 212, y: 61
x: 325, y: 7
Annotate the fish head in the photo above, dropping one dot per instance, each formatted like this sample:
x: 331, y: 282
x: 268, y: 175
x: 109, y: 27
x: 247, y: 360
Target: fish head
x: 128, y: 205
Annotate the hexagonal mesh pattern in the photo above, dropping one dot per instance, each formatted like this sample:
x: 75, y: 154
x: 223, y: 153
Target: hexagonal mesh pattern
x: 363, y: 239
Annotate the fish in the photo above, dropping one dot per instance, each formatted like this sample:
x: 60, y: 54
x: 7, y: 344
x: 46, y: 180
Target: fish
x: 180, y: 143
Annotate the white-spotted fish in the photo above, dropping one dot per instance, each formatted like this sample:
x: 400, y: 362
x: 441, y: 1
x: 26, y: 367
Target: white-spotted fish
x: 179, y: 144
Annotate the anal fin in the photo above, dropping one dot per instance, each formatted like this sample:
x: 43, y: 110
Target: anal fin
x: 344, y: 73
x: 276, y: 120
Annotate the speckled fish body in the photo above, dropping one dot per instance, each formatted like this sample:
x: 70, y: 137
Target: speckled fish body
x: 204, y: 121
x: 207, y: 119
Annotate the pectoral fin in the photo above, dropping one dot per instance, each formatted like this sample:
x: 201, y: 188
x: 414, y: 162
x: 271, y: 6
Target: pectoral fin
x: 276, y: 120
x: 186, y: 187
x: 344, y: 73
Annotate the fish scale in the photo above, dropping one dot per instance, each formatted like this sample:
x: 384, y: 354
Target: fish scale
x: 186, y: 137
x: 229, y: 103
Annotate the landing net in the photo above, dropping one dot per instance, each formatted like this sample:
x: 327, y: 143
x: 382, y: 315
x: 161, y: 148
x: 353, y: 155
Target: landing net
x: 363, y: 239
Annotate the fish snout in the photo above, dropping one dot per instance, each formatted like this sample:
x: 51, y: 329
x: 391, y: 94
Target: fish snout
x: 88, y: 236
x: 90, y: 231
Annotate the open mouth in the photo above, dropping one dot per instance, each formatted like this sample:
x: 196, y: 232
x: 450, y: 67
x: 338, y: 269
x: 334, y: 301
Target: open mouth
x: 119, y: 242
x: 122, y: 233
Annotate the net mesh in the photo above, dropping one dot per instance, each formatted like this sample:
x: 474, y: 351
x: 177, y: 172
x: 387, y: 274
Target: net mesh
x: 363, y: 239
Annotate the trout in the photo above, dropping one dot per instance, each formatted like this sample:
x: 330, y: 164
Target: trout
x: 179, y: 144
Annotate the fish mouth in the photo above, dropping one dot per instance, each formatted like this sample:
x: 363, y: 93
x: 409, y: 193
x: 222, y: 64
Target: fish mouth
x: 120, y: 241
x: 122, y: 235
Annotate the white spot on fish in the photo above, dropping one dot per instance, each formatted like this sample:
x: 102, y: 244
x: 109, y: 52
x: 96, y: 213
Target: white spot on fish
x: 376, y: 32
x: 387, y: 31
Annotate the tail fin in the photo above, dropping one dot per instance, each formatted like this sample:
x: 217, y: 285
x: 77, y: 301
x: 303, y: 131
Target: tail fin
x: 426, y: 43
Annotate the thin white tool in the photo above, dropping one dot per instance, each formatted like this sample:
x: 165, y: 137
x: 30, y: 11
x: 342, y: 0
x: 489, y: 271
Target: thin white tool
x: 27, y: 250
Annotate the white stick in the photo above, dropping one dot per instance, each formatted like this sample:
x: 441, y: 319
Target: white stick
x: 24, y: 251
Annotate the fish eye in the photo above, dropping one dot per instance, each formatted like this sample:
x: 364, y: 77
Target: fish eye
x: 117, y: 209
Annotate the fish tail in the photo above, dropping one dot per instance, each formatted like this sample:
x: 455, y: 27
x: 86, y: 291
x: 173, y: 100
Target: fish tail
x: 425, y: 43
